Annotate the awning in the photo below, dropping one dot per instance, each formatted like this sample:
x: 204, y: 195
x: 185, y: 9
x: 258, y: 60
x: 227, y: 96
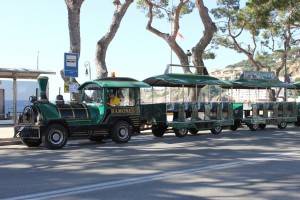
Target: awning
x: 186, y: 80
x: 22, y: 73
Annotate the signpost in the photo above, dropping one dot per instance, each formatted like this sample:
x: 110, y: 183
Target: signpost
x: 71, y: 64
x: 73, y: 88
x: 258, y: 75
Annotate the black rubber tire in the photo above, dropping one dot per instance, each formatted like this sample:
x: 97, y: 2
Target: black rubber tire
x: 297, y: 123
x: 193, y: 131
x: 55, y: 137
x: 158, y: 131
x: 253, y: 127
x: 216, y: 130
x: 235, y: 126
x: 31, y: 142
x: 282, y: 125
x: 96, y: 138
x: 121, y: 132
x: 262, y: 126
x: 180, y: 132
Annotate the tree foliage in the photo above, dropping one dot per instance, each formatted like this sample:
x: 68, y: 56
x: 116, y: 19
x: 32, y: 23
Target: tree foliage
x: 272, y: 27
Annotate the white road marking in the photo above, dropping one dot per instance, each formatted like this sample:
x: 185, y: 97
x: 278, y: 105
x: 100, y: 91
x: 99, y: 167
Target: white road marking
x: 143, y: 179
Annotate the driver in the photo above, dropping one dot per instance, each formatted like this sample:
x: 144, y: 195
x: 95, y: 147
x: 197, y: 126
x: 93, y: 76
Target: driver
x: 114, y: 100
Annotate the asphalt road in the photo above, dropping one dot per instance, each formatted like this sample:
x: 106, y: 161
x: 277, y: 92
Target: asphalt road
x: 234, y: 165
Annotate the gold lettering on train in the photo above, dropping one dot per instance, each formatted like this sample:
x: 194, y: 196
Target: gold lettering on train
x: 124, y: 110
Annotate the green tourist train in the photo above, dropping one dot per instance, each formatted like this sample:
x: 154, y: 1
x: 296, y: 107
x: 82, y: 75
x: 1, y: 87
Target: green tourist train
x: 117, y: 108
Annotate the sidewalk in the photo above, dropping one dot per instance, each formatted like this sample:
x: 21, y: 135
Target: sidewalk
x: 7, y: 136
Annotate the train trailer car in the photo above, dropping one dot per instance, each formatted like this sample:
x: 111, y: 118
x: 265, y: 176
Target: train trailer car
x: 257, y: 115
x: 94, y: 115
x: 187, y: 116
x: 275, y: 113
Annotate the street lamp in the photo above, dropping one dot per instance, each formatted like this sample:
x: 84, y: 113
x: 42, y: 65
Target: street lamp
x: 87, y: 66
x: 189, y: 55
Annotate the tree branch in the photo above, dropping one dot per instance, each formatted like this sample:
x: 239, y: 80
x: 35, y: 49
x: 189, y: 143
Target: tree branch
x: 104, y: 42
x: 208, y: 33
x: 176, y: 18
x: 149, y: 26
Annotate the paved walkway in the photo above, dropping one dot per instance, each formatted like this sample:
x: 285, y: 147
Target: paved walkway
x: 7, y: 136
x: 6, y: 132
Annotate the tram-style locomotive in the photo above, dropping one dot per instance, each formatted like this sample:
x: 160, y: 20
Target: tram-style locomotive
x: 53, y: 123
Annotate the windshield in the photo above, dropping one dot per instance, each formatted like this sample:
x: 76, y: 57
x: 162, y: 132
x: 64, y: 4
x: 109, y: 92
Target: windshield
x: 92, y: 94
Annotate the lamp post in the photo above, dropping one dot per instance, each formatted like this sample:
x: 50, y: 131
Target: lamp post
x: 189, y: 55
x: 87, y: 66
x: 285, y: 71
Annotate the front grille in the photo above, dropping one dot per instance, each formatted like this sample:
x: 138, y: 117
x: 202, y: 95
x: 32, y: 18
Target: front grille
x: 28, y: 132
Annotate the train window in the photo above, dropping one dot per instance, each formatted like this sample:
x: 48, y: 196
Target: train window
x: 126, y: 96
x: 92, y: 94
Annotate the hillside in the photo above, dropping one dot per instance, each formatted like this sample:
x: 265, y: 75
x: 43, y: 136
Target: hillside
x: 293, y: 65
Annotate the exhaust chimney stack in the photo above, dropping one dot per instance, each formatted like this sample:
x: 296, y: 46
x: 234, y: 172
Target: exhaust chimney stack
x: 43, y: 82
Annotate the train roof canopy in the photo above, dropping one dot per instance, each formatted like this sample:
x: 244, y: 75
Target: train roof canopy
x: 259, y: 80
x: 187, y: 80
x: 120, y: 82
x: 259, y: 84
x: 297, y: 85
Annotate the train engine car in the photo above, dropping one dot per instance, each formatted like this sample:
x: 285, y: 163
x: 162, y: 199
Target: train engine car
x: 108, y: 107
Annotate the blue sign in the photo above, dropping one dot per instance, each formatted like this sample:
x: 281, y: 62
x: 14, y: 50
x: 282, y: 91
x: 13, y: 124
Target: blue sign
x: 71, y: 64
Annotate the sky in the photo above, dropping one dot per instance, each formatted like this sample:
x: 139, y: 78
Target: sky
x: 32, y: 26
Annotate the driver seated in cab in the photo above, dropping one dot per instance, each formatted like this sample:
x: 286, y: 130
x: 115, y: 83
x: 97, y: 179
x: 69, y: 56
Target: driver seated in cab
x: 114, y: 100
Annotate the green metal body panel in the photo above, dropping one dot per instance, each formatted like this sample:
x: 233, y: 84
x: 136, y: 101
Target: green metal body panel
x: 48, y: 110
x: 97, y: 112
x: 50, y: 113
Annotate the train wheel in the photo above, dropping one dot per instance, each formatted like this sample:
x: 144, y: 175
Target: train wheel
x: 253, y: 127
x: 262, y: 126
x: 31, y: 142
x: 282, y: 125
x: 234, y: 127
x: 180, y: 132
x: 55, y: 137
x: 158, y: 131
x: 216, y: 130
x: 121, y: 132
x: 193, y: 131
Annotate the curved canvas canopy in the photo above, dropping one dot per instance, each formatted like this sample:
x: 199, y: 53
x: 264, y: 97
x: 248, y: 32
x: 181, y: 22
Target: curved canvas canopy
x: 116, y: 83
x: 259, y: 80
x: 297, y: 85
x: 186, y: 80
x: 259, y: 84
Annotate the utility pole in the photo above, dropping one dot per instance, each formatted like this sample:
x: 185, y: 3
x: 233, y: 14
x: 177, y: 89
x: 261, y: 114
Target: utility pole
x: 37, y: 60
x: 285, y: 71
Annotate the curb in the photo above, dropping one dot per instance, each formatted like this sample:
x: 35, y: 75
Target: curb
x: 10, y: 141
